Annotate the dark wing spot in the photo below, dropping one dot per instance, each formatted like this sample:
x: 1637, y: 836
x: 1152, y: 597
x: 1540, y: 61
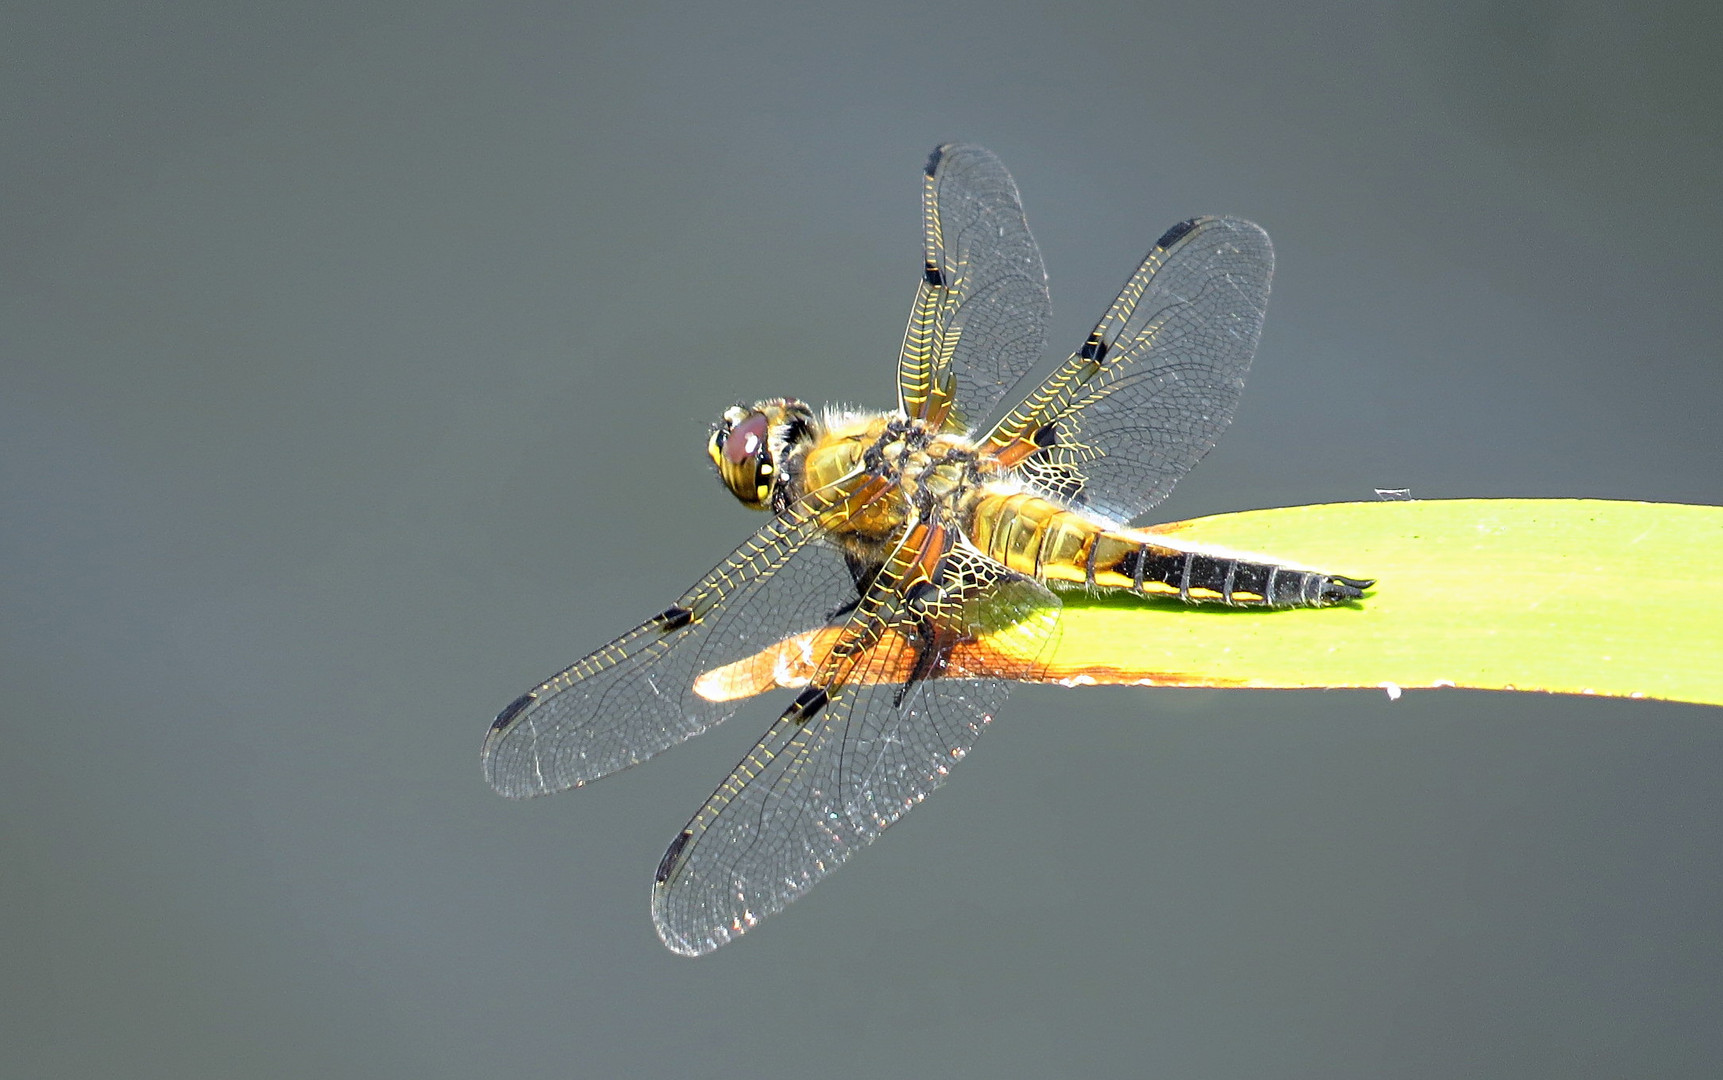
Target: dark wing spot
x: 1094, y: 349
x: 674, y: 618
x: 512, y: 710
x: 933, y: 277
x: 807, y: 704
x: 1175, y: 234
x: 668, y: 862
x: 933, y: 159
x: 1045, y: 435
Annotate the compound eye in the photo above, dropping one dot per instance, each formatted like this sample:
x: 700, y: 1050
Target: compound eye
x: 746, y: 440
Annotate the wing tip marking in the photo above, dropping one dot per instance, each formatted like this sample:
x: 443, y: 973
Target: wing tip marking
x: 667, y: 865
x: 513, y: 709
x: 674, y: 618
x: 1176, y: 233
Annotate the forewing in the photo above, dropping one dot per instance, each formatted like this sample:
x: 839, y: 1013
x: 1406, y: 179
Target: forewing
x: 815, y: 790
x: 634, y: 697
x: 980, y: 317
x: 1155, y: 384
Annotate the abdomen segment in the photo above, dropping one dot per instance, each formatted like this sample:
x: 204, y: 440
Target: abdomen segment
x: 1037, y: 537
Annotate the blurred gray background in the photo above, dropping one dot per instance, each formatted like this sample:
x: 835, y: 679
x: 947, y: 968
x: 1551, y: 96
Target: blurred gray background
x: 356, y: 363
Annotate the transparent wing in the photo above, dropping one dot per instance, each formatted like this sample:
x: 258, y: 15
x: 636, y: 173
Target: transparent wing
x: 825, y: 781
x: 1155, y: 384
x: 980, y: 317
x: 634, y: 697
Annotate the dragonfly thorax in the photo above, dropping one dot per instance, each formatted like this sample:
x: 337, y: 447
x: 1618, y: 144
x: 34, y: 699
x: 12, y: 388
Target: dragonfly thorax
x: 901, y: 468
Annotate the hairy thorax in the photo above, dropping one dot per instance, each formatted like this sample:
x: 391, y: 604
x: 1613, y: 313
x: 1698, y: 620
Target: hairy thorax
x: 919, y: 475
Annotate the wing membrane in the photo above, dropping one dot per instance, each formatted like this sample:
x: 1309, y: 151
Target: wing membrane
x: 980, y: 315
x: 634, y: 697
x: 1155, y: 384
x: 815, y: 789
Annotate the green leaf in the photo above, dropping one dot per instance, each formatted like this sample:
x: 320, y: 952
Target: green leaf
x: 1556, y: 595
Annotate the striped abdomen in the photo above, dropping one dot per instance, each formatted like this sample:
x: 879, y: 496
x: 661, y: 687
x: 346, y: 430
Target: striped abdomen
x: 1039, y: 538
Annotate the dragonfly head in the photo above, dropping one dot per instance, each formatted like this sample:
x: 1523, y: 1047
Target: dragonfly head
x: 749, y: 444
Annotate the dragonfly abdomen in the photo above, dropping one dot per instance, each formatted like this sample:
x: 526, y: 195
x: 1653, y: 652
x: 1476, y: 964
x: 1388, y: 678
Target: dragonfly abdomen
x: 1034, y: 536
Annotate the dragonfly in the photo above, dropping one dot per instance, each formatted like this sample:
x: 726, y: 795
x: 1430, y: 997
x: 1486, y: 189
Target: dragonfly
x: 924, y: 548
